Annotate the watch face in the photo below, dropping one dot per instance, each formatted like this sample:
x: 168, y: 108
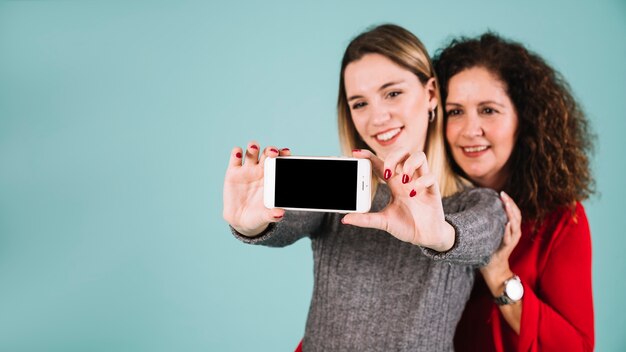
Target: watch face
x: 514, y: 290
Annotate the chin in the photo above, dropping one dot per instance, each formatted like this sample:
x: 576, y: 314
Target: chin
x: 475, y: 177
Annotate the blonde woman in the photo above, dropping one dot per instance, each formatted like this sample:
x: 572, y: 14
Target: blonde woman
x: 396, y: 278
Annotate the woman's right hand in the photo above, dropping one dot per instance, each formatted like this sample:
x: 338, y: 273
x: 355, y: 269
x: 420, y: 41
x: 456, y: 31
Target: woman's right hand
x: 243, y: 190
x: 498, y: 269
x: 415, y: 212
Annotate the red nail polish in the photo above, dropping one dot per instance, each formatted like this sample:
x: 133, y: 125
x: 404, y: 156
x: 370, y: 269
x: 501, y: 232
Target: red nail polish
x: 387, y: 174
x: 254, y: 147
x: 356, y: 150
x: 413, y: 193
x: 285, y: 149
x: 278, y: 217
x: 238, y: 155
x: 274, y: 150
x: 405, y: 178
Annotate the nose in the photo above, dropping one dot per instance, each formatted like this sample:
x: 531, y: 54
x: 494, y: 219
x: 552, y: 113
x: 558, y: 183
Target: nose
x: 472, y: 126
x: 379, y: 114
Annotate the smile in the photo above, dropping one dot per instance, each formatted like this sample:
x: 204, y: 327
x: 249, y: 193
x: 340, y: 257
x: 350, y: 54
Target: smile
x: 385, y: 136
x: 475, y: 149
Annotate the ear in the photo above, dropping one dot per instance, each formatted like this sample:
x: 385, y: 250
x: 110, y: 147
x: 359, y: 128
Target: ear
x: 431, y: 90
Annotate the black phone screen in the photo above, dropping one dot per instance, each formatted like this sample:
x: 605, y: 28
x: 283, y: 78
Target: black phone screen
x: 316, y: 184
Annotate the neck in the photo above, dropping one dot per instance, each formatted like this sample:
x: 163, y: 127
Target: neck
x: 495, y: 182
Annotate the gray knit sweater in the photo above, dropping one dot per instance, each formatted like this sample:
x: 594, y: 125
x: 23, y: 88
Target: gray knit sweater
x: 373, y: 292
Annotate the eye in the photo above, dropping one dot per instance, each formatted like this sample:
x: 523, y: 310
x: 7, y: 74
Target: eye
x: 488, y: 111
x: 394, y: 94
x: 358, y: 105
x: 453, y: 112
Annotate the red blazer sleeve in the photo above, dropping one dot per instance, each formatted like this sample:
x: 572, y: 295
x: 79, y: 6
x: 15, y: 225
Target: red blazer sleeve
x: 562, y: 319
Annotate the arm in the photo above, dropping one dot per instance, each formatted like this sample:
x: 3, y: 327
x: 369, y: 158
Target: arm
x: 559, y: 315
x: 467, y: 232
x: 498, y: 269
x: 478, y: 220
x: 294, y: 226
x: 563, y: 318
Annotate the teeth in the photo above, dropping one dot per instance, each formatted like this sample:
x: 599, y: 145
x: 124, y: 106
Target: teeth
x: 475, y: 149
x: 388, y: 135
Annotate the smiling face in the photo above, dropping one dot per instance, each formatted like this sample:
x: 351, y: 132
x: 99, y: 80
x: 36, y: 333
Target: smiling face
x: 481, y: 126
x: 388, y: 104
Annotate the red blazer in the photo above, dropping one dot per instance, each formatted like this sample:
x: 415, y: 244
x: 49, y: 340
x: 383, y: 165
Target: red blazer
x: 554, y: 264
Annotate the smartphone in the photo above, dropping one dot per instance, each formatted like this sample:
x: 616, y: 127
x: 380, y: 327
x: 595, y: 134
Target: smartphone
x: 328, y: 184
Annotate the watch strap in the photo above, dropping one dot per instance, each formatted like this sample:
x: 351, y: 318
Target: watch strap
x: 504, y: 299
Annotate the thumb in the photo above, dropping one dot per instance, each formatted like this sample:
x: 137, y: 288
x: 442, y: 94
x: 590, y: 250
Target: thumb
x: 274, y: 214
x: 369, y: 220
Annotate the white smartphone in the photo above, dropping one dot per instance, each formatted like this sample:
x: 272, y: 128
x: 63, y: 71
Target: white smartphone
x: 328, y: 184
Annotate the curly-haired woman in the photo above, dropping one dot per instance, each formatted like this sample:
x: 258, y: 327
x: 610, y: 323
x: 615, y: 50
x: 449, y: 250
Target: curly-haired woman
x: 513, y: 125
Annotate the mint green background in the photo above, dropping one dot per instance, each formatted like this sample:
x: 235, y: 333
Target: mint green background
x: 116, y: 122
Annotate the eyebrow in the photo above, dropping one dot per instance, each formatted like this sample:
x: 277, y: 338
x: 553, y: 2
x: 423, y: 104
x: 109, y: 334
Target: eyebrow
x: 386, y: 85
x: 480, y: 103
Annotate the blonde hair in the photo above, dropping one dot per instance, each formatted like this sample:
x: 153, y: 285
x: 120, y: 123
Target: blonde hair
x: 406, y: 50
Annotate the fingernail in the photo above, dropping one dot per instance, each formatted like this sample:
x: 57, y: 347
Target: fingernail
x: 285, y: 149
x: 405, y: 178
x: 278, y: 217
x: 343, y: 221
x: 238, y: 155
x: 413, y: 193
x: 254, y: 147
x: 274, y: 150
x: 387, y: 174
x: 356, y: 150
x: 502, y: 194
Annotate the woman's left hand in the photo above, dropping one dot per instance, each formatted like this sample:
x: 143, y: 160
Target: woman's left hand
x: 498, y: 270
x: 415, y: 212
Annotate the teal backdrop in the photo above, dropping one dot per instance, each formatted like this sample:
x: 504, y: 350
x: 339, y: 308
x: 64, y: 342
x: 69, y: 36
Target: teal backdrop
x: 116, y: 123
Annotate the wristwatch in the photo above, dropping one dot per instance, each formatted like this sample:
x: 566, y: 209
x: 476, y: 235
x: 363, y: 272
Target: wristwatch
x: 513, y: 291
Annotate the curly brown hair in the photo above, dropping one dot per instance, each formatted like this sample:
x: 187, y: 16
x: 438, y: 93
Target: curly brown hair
x: 550, y: 161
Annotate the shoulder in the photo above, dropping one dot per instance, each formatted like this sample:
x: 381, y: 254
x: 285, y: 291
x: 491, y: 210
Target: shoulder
x: 568, y: 223
x: 573, y: 215
x: 471, y: 196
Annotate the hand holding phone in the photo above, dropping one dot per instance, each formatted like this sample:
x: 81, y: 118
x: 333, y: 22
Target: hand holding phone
x: 243, y: 190
x: 328, y: 184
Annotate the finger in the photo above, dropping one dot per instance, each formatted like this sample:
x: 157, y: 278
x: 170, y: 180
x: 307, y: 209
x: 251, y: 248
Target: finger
x: 515, y: 218
x: 422, y: 184
x: 377, y: 163
x: 275, y: 214
x: 512, y: 210
x: 423, y: 170
x: 516, y: 224
x: 235, y: 157
x: 393, y: 163
x: 270, y: 151
x: 285, y: 152
x: 423, y: 167
x: 506, y: 239
x: 411, y: 164
x: 369, y: 220
x: 252, y: 154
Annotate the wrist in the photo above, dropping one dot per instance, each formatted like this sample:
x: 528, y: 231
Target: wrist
x: 253, y: 232
x: 495, y: 278
x: 512, y: 293
x: 447, y: 240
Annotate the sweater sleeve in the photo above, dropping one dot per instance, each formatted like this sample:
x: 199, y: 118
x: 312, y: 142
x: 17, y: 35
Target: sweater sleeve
x: 478, y: 218
x: 294, y: 226
x: 562, y: 320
